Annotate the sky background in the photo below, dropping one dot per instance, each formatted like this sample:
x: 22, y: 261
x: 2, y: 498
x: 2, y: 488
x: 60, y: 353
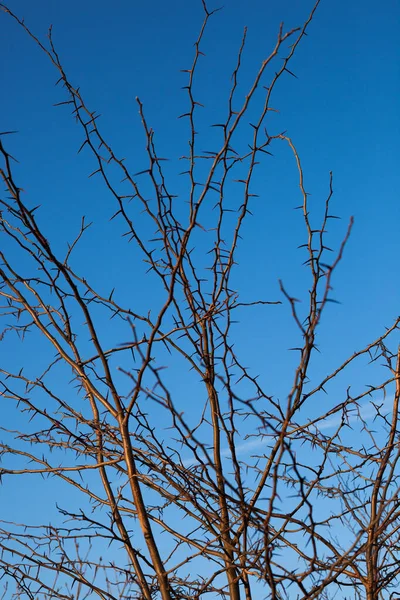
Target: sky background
x: 341, y: 111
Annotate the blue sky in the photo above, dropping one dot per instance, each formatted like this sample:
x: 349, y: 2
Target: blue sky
x: 341, y: 111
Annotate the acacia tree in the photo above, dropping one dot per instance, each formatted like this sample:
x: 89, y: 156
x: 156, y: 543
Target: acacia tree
x: 169, y: 505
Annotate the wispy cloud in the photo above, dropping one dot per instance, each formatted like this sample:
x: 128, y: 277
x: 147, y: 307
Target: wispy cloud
x: 367, y: 412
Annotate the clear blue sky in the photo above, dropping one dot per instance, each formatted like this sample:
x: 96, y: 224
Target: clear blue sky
x: 342, y: 112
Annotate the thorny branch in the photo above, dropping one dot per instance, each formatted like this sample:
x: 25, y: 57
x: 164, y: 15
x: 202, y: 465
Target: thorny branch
x: 244, y: 490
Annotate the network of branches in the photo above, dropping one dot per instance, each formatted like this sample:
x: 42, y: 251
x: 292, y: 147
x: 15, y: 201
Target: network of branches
x: 202, y: 485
